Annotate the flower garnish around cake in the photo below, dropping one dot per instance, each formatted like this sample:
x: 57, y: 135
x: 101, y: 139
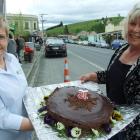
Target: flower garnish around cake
x: 76, y: 132
x: 82, y: 100
x: 76, y: 112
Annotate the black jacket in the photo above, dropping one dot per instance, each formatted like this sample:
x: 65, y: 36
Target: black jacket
x: 131, y: 90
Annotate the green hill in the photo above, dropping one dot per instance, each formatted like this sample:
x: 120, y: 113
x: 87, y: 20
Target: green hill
x: 97, y: 25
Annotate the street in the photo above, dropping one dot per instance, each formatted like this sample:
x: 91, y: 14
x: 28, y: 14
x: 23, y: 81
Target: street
x: 81, y: 60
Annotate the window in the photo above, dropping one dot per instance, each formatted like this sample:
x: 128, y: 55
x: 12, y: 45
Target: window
x: 35, y: 26
x: 27, y: 25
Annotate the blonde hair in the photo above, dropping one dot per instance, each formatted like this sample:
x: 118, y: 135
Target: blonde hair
x: 132, y: 16
x: 3, y: 25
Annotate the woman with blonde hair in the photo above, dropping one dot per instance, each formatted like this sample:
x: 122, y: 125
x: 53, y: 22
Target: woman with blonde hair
x: 14, y: 122
x: 122, y: 77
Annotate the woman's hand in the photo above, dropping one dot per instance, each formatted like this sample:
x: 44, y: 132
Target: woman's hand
x: 26, y: 125
x: 89, y: 77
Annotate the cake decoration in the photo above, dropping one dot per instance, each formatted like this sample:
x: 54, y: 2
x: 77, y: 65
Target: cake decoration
x: 82, y: 94
x: 82, y: 99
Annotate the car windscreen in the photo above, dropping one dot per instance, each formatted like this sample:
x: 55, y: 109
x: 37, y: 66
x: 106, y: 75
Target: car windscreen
x: 30, y: 44
x: 55, y: 41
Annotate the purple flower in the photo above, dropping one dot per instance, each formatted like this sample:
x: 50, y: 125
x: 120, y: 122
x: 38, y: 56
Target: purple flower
x: 107, y: 128
x: 49, y: 120
x: 68, y: 131
x: 42, y: 109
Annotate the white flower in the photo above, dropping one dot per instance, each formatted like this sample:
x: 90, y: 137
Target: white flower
x: 43, y: 113
x: 60, y: 126
x: 95, y: 132
x: 113, y: 120
x: 75, y: 132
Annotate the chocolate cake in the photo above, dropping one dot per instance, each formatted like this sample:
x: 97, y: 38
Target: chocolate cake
x: 79, y: 107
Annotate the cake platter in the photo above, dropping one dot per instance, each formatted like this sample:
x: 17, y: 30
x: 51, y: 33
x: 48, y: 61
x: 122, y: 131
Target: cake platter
x: 34, y: 96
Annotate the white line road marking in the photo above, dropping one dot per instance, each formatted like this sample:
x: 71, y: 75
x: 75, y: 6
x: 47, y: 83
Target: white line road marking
x: 94, y: 49
x: 89, y: 62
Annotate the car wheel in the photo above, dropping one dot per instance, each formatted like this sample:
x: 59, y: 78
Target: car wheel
x: 46, y: 54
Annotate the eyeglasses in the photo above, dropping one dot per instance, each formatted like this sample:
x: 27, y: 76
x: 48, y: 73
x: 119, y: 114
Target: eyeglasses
x: 3, y: 37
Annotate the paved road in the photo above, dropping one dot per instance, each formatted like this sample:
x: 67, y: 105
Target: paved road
x: 31, y: 69
x: 80, y: 61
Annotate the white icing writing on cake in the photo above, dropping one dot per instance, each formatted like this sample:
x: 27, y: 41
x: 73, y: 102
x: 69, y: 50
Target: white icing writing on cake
x: 82, y: 94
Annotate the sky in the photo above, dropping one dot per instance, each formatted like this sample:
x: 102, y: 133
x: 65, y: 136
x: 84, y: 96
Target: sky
x: 69, y: 11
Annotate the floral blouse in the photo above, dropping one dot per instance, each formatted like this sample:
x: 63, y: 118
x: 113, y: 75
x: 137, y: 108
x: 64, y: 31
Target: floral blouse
x: 131, y: 89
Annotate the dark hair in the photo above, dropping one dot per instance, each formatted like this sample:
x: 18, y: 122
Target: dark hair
x: 10, y: 36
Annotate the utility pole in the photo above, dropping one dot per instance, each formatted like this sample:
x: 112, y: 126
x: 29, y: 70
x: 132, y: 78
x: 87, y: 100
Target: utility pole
x: 3, y: 8
x: 42, y: 23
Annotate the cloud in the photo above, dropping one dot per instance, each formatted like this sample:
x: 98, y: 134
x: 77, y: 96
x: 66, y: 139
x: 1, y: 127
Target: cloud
x: 71, y: 11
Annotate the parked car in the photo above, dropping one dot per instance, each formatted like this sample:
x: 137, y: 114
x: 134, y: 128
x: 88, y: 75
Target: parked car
x: 103, y: 44
x: 92, y: 43
x: 71, y: 41
x: 37, y: 46
x: 29, y: 50
x: 100, y: 44
x: 117, y: 43
x: 85, y: 42
x: 55, y: 46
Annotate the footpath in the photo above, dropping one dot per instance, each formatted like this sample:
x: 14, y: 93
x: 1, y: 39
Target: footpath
x: 31, y: 69
x: 31, y: 72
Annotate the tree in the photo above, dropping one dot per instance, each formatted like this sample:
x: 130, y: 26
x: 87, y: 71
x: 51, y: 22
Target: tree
x: 66, y: 31
x: 61, y: 24
x: 98, y: 27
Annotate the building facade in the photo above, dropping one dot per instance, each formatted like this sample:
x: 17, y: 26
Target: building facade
x: 23, y: 23
x: 112, y: 28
